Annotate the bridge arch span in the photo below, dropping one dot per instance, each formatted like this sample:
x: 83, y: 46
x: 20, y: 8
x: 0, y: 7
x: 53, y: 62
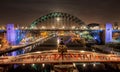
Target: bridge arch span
x: 57, y: 20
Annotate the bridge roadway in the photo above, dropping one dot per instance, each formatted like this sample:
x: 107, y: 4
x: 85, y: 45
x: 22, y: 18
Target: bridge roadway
x: 52, y: 56
x: 83, y: 60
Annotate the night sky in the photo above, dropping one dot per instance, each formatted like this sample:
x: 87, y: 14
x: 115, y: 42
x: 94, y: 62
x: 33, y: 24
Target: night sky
x: 90, y: 11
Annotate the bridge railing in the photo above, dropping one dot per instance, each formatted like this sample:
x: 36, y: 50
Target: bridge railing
x: 55, y: 57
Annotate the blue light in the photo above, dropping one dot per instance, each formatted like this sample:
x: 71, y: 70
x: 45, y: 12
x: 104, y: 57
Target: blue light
x: 96, y: 36
x: 108, y: 36
x: 11, y: 34
x: 14, y: 53
x: 15, y: 66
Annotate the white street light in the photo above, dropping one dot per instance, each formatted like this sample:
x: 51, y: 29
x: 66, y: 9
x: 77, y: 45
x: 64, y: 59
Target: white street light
x: 58, y: 19
x: 58, y: 41
x: 43, y: 65
x: 23, y: 64
x: 53, y: 27
x: 33, y: 64
x: 43, y: 27
x: 84, y: 65
x: 73, y: 27
x: 82, y: 51
x: 74, y: 65
x: 94, y: 64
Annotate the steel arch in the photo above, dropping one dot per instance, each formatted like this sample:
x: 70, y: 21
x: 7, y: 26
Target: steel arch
x: 55, y: 15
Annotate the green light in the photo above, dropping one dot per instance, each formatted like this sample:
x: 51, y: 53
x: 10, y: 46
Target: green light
x: 55, y: 15
x: 52, y: 14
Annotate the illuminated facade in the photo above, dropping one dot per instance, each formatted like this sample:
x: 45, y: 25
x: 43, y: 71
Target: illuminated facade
x: 108, y: 35
x: 11, y: 34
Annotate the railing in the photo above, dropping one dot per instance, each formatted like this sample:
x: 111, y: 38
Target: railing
x: 55, y: 57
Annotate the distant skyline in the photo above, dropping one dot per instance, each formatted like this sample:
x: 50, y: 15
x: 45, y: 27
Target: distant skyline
x: 24, y: 12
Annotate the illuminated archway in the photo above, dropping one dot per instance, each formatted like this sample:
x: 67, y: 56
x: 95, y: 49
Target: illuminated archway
x: 57, y: 20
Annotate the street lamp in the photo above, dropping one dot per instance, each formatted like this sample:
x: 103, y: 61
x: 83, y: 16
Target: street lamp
x: 43, y: 65
x: 84, y: 65
x: 0, y: 45
x: 22, y: 27
x: 23, y: 64
x: 94, y: 64
x: 63, y: 27
x: 82, y: 51
x: 93, y: 50
x: 43, y: 27
x: 33, y: 64
x: 74, y: 64
x: 26, y: 27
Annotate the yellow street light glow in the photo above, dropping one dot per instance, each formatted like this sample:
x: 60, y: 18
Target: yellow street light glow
x: 26, y: 27
x: 3, y: 27
x: 38, y: 52
x: 73, y: 27
x: 22, y: 27
x: 43, y: 27
x: 63, y: 27
x: 0, y: 45
x: 82, y: 51
x: 84, y: 27
x: 53, y: 27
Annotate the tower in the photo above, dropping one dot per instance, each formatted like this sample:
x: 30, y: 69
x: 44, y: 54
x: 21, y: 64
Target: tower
x: 11, y: 34
x: 108, y: 33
